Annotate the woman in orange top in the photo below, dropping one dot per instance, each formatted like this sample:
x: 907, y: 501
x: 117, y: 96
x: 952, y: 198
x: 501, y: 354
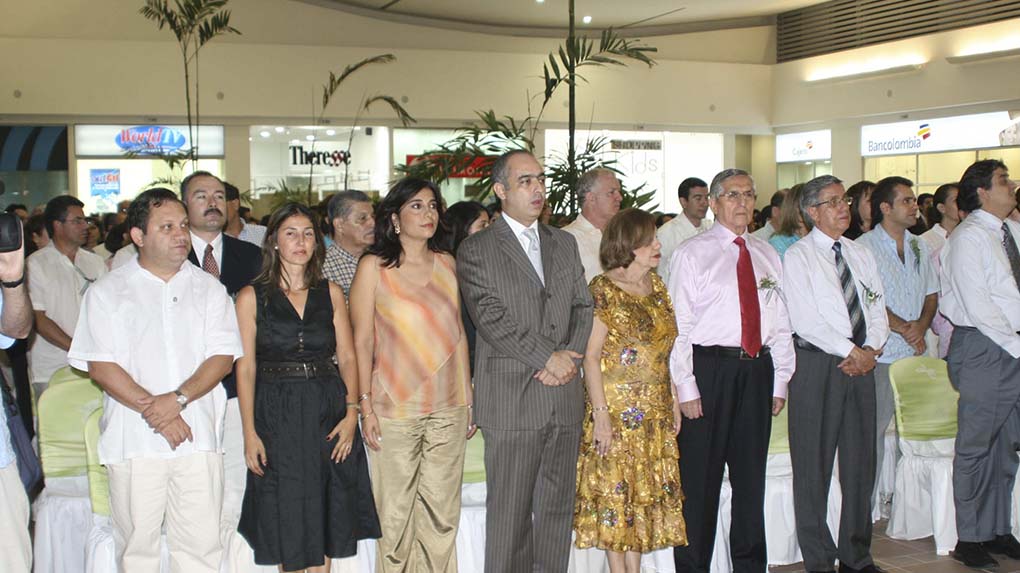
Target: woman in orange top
x: 410, y: 344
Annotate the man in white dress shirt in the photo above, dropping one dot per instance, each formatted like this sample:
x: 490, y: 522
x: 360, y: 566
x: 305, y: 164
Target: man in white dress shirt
x: 158, y: 334
x: 693, y: 193
x: 837, y: 310
x: 598, y: 192
x: 236, y: 226
x: 981, y: 297
x: 58, y: 276
x: 731, y: 362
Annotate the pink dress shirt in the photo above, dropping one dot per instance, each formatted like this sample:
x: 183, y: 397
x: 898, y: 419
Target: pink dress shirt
x: 703, y: 286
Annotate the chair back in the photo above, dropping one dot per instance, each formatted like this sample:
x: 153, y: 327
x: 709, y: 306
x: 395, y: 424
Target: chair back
x: 64, y: 375
x: 779, y: 440
x: 474, y: 460
x: 63, y: 410
x: 99, y: 484
x: 925, y: 400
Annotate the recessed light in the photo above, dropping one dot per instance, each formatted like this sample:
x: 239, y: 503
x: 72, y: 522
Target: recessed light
x: 586, y: 19
x: 310, y: 137
x: 249, y: 139
x: 278, y: 129
x: 294, y: 142
x: 330, y: 132
x: 357, y: 128
x: 264, y: 133
x: 540, y: 1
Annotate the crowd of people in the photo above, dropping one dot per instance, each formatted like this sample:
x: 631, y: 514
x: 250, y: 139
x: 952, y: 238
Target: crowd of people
x: 319, y: 389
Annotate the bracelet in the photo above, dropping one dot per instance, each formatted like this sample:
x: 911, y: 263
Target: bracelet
x: 600, y: 409
x: 354, y: 405
x: 364, y: 397
x: 13, y: 284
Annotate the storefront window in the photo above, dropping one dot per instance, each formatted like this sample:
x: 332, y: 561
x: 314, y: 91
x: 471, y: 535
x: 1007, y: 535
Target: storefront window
x: 790, y: 174
x: 410, y: 143
x: 34, y: 164
x: 930, y: 170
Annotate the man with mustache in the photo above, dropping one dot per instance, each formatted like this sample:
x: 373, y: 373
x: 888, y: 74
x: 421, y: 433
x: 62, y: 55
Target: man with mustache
x: 235, y: 263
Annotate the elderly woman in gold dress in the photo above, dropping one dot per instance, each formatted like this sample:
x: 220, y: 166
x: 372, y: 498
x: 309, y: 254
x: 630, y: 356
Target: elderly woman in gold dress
x: 629, y: 499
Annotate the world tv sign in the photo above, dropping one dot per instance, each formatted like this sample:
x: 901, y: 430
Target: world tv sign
x: 145, y: 140
x: 962, y: 132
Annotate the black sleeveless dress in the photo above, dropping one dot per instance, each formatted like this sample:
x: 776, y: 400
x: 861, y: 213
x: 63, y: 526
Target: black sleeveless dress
x: 306, y: 506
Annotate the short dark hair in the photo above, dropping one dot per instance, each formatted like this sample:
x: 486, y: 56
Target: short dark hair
x: 977, y: 176
x: 14, y: 207
x: 923, y: 196
x: 940, y: 198
x: 387, y: 244
x: 501, y: 168
x: 187, y: 180
x: 56, y: 210
x: 684, y: 190
x: 776, y: 201
x: 340, y: 204
x: 885, y: 192
x: 232, y: 192
x: 628, y: 230
x: 140, y: 209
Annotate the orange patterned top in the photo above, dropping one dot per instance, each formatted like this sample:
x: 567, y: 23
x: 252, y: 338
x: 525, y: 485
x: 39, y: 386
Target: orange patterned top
x: 421, y: 353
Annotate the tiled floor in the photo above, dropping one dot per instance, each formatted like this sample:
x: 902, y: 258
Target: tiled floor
x: 918, y: 556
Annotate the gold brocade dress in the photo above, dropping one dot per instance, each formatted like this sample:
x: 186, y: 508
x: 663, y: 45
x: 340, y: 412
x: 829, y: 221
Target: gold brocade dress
x: 630, y: 499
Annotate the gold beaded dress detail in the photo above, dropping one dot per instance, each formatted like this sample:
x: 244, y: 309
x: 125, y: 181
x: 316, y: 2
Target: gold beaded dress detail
x: 631, y: 499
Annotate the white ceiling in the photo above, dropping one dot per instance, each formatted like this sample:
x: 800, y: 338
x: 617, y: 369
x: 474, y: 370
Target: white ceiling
x: 534, y: 17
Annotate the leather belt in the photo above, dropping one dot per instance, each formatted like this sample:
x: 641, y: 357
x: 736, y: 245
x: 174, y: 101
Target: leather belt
x: 306, y: 369
x: 729, y: 352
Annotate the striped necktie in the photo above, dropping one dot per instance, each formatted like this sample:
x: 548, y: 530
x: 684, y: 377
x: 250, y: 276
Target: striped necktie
x: 1012, y: 253
x: 853, y: 303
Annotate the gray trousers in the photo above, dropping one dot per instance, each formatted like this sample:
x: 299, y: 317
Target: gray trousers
x: 988, y: 380
x: 885, y: 408
x: 830, y: 410
x: 530, y: 476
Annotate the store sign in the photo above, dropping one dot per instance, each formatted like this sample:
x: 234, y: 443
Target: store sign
x: 804, y: 146
x: 104, y: 188
x: 327, y: 153
x: 477, y: 168
x: 962, y: 132
x: 145, y: 140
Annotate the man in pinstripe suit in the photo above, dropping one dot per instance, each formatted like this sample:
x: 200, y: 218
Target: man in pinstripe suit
x: 523, y: 284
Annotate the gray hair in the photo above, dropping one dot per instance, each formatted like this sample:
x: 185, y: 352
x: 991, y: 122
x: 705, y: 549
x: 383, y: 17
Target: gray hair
x: 341, y: 203
x: 717, y: 182
x: 588, y: 180
x: 809, y: 195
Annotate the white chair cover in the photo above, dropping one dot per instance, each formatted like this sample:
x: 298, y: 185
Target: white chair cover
x: 880, y: 508
x: 923, y: 498
x: 63, y: 515
x: 100, y: 555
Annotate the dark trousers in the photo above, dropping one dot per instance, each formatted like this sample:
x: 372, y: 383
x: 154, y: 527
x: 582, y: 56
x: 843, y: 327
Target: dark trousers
x: 18, y: 355
x: 736, y: 401
x: 830, y: 410
x: 985, y: 465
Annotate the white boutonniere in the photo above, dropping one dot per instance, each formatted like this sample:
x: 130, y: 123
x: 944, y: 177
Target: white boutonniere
x: 770, y: 286
x: 916, y: 249
x: 870, y: 296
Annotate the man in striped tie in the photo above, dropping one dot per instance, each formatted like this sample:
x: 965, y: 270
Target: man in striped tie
x: 835, y: 299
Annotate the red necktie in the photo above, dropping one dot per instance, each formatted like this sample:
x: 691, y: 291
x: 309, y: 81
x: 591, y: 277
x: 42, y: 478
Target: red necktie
x: 209, y: 262
x: 750, y: 312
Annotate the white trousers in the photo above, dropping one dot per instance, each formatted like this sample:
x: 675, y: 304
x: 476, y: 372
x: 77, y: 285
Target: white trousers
x: 15, y: 546
x: 235, y: 471
x: 187, y: 492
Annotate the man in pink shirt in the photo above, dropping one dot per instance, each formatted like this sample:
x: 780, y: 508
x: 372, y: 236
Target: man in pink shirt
x: 730, y: 364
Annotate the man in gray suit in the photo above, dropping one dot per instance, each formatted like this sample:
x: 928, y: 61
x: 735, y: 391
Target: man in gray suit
x: 523, y: 285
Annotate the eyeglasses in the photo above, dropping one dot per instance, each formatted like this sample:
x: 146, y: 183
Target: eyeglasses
x: 734, y: 196
x: 836, y: 201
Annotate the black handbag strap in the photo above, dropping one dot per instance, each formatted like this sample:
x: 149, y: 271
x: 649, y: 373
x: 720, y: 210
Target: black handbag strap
x: 10, y: 404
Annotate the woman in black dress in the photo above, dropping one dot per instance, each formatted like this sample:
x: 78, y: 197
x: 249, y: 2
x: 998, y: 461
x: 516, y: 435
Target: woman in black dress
x: 308, y: 496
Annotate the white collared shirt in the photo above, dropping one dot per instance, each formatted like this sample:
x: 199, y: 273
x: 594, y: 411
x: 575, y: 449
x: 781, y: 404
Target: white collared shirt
x: 814, y: 297
x: 935, y: 237
x: 706, y: 300
x: 672, y: 234
x: 159, y: 333
x: 766, y: 232
x: 251, y: 233
x: 978, y: 288
x: 198, y: 245
x: 518, y: 228
x: 589, y: 239
x: 57, y: 286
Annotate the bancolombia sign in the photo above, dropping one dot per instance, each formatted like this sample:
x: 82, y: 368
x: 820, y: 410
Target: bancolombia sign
x: 961, y: 132
x: 145, y: 140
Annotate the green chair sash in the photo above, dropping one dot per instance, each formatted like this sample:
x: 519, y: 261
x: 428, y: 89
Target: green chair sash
x: 474, y: 460
x: 925, y: 400
x: 63, y: 410
x: 99, y: 484
x: 779, y: 440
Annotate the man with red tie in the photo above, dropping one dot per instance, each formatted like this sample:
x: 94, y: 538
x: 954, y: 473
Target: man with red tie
x: 731, y: 363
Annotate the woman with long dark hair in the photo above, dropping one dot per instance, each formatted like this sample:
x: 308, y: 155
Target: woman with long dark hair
x: 308, y: 497
x: 860, y: 209
x: 413, y: 354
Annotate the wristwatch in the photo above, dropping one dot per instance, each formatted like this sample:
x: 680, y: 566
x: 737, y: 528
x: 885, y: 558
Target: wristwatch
x: 182, y: 400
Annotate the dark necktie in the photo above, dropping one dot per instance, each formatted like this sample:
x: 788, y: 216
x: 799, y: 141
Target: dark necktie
x: 853, y: 303
x: 750, y: 311
x: 1012, y: 253
x: 209, y: 262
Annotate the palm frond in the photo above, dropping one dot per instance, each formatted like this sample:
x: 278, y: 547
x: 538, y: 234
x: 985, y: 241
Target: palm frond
x: 404, y: 117
x: 336, y: 80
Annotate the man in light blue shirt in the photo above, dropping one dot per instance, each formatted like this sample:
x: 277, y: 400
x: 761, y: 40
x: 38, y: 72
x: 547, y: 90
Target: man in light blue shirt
x: 911, y: 289
x: 15, y: 322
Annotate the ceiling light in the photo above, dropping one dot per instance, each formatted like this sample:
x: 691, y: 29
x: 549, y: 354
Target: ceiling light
x: 294, y: 142
x: 310, y: 137
x: 586, y: 19
x: 865, y: 69
x: 249, y: 139
x: 540, y: 1
x: 330, y: 132
x: 278, y: 129
x: 981, y: 56
x: 264, y: 133
x: 357, y: 128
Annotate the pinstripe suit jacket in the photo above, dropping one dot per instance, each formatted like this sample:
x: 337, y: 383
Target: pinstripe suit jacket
x: 521, y: 323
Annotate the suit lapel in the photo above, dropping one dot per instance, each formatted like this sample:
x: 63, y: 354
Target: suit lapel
x: 511, y: 245
x: 548, y: 246
x: 193, y: 258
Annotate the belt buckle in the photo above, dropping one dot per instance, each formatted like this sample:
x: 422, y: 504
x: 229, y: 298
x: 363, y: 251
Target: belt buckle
x: 745, y: 356
x: 305, y: 366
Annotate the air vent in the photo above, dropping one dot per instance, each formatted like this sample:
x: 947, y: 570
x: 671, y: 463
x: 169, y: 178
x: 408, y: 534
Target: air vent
x: 847, y: 24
